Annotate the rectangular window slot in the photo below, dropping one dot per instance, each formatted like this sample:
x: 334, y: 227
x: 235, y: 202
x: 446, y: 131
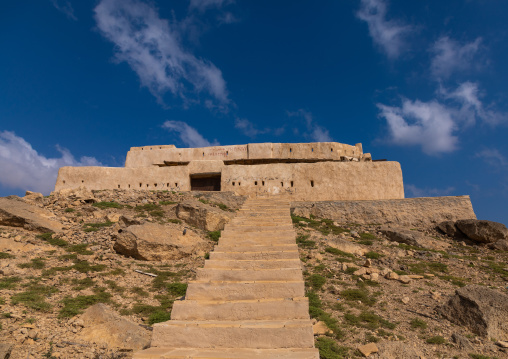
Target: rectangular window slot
x: 140, y: 184
x: 118, y: 186
x: 233, y: 183
x: 263, y: 183
x: 312, y: 183
x: 291, y: 183
x: 255, y: 183
x: 282, y: 184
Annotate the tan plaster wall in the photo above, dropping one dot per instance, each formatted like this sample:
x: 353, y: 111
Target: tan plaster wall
x: 332, y: 180
x: 150, y: 155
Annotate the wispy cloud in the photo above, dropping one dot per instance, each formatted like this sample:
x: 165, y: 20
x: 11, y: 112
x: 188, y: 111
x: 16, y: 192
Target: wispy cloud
x: 203, y: 5
x: 314, y: 131
x: 389, y: 35
x: 24, y: 168
x: 450, y: 56
x: 413, y: 191
x: 153, y: 49
x: 434, y: 125
x: 493, y: 157
x: 247, y: 127
x: 65, y: 7
x: 472, y: 108
x: 430, y: 125
x: 187, y: 134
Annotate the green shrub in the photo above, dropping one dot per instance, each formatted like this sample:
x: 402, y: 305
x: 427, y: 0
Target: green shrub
x: 316, y: 281
x: 167, y: 203
x: 214, y: 235
x: 4, y: 255
x: 93, y: 227
x: 177, y: 289
x: 48, y: 237
x: 69, y: 210
x: 173, y: 220
x: 328, y: 349
x: 157, y: 213
x: 302, y: 241
x: 436, y: 340
x: 358, y: 295
x: 76, y: 305
x: 338, y: 252
x: 158, y: 317
x: 35, y: 263
x: 148, y: 207
x: 104, y: 205
x: 373, y: 255
x: 367, y: 236
x: 418, y: 323
x: 9, y: 282
x: 34, y: 297
x: 79, y: 249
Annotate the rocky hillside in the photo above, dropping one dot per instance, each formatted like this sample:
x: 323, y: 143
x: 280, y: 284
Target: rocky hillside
x: 85, y: 275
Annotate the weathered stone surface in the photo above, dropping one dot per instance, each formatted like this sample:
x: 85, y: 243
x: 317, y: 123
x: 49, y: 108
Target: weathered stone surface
x: 80, y: 193
x: 33, y: 197
x: 16, y: 213
x: 104, y: 326
x: 399, y: 350
x: 202, y: 216
x: 461, y: 341
x: 484, y: 311
x: 501, y: 245
x: 320, y: 328
x: 482, y: 231
x: 448, y: 227
x: 155, y: 242
x: 5, y: 350
x: 368, y: 349
x: 346, y: 246
x: 412, y: 238
x: 401, y: 212
x: 128, y: 221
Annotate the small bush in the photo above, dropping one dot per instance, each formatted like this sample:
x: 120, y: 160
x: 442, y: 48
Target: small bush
x: 79, y: 249
x: 436, y: 340
x: 166, y: 203
x: 373, y: 255
x: 35, y: 263
x: 139, y: 292
x: 157, y: 213
x: 338, y: 252
x: 48, y: 237
x: 94, y: 227
x: 69, y: 210
x: 76, y: 305
x: 173, y: 220
x: 34, y: 297
x: 148, y: 207
x: 9, y: 282
x: 366, y: 242
x: 214, y: 235
x: 367, y: 236
x: 4, y: 255
x: 418, y: 323
x: 177, y: 289
x: 104, y: 205
x: 303, y: 242
x: 328, y: 349
x: 358, y: 295
x: 158, y: 317
x: 316, y: 281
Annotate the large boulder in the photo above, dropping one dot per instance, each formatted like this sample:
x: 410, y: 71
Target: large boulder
x: 413, y: 238
x: 501, y: 245
x: 75, y: 194
x: 449, y: 228
x: 347, y: 246
x: 156, y: 242
x: 203, y: 216
x: 105, y: 327
x: 482, y: 231
x: 16, y: 213
x: 483, y: 310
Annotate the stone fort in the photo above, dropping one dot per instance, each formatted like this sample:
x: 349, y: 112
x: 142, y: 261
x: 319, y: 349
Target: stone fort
x: 297, y: 171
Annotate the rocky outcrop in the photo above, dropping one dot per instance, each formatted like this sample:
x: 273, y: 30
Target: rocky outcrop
x: 201, y: 216
x: 412, y: 238
x: 156, y: 242
x: 104, y: 326
x: 16, y: 213
x: 399, y: 350
x: 414, y: 212
x: 482, y: 231
x: 75, y: 194
x: 501, y: 245
x: 483, y: 310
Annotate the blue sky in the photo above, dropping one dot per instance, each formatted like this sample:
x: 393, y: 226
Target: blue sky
x: 422, y: 83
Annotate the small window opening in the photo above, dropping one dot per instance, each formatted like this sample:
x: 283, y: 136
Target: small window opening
x: 150, y: 148
x: 312, y: 149
x: 167, y: 185
x: 282, y: 184
x: 140, y: 184
x: 82, y: 181
x: 203, y: 154
x: 64, y: 182
x: 176, y: 184
x: 233, y: 183
x: 155, y: 184
x: 129, y: 186
x: 118, y: 186
x: 291, y: 183
x: 147, y: 185
x: 263, y: 183
x: 239, y: 183
x: 290, y: 149
x: 312, y: 183
x: 331, y: 149
x: 255, y: 183
x: 227, y: 153
x: 160, y: 148
x: 142, y: 148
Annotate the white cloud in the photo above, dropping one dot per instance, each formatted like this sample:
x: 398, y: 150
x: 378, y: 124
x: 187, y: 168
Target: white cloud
x: 426, y: 124
x: 389, y: 35
x: 314, y: 132
x: 153, y: 49
x: 247, y: 127
x: 472, y: 108
x: 413, y: 191
x: 451, y: 56
x: 493, y: 157
x: 188, y: 135
x: 203, y: 5
x: 65, y: 7
x: 24, y: 168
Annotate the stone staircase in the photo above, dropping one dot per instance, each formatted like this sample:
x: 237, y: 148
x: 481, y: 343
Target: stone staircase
x: 249, y: 299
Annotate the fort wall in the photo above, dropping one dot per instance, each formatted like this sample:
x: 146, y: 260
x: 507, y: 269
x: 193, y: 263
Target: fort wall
x: 297, y: 181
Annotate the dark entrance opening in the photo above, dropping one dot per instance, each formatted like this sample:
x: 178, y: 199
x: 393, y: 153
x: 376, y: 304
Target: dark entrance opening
x: 205, y: 182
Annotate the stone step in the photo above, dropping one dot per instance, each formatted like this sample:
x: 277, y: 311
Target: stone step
x: 255, y: 334
x: 259, y: 228
x: 261, y: 309
x: 243, y: 290
x: 255, y: 255
x: 254, y: 263
x: 226, y: 353
x: 279, y: 274
x: 239, y: 247
x: 256, y: 241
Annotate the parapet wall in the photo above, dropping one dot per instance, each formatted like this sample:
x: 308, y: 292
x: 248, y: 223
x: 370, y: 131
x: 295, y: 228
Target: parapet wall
x: 297, y: 181
x: 416, y: 212
x: 147, y: 156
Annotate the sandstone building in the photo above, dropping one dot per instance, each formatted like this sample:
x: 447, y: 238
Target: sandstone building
x: 297, y: 171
